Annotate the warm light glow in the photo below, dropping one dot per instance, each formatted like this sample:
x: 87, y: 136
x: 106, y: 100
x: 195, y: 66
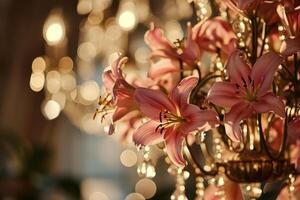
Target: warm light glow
x: 54, y: 33
x: 128, y: 158
x: 127, y: 20
x: 54, y: 29
x: 37, y: 81
x: 68, y: 82
x: 86, y: 51
x: 84, y: 7
x: 38, y: 64
x: 146, y: 187
x: 98, y: 196
x: 51, y: 109
x: 60, y: 98
x: 65, y: 65
x: 134, y: 196
x: 90, y: 91
x: 53, y: 81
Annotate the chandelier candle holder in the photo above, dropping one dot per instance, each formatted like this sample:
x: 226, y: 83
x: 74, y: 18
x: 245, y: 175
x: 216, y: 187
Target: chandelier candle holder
x: 223, y: 101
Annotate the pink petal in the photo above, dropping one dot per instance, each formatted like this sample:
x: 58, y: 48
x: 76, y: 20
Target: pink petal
x: 174, y: 148
x: 123, y: 93
x: 233, y: 119
x: 263, y: 71
x: 269, y: 102
x: 108, y: 80
x: 191, y: 51
x: 238, y: 70
x: 153, y: 102
x: 116, y: 66
x: 245, y: 4
x: 232, y: 190
x: 196, y: 119
x: 180, y: 94
x: 223, y: 94
x: 119, y: 113
x: 290, y: 46
x: 211, y: 192
x: 146, y: 134
x: 156, y: 40
x: 163, y: 66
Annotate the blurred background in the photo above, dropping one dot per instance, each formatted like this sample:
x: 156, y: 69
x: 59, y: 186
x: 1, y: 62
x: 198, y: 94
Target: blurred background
x: 52, y: 53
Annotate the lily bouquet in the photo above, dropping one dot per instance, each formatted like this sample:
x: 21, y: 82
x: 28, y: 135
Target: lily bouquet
x: 233, y: 82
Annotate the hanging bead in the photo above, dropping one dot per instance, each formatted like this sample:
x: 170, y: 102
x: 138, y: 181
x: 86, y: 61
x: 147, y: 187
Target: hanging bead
x: 146, y: 168
x: 181, y: 176
x: 199, y: 188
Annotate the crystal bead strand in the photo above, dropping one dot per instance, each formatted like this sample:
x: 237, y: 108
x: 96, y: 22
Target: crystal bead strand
x: 146, y: 168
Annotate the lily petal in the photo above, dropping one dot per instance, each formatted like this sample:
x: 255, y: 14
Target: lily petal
x: 263, y: 71
x: 156, y: 40
x: 269, y: 102
x: 108, y: 80
x: 196, y: 119
x: 163, y: 66
x: 123, y: 93
x: 290, y: 46
x: 146, y: 134
x: 116, y: 66
x: 238, y: 70
x: 174, y: 148
x: 180, y: 94
x: 233, y: 119
x: 191, y: 50
x: 153, y: 102
x: 223, y: 94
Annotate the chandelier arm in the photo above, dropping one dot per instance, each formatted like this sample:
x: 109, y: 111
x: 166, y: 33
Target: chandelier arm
x: 195, y: 161
x: 285, y: 135
x: 264, y: 144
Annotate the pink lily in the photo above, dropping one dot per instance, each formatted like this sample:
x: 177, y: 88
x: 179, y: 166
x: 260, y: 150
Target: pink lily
x: 166, y: 59
x: 172, y: 118
x: 247, y: 92
x: 119, y: 89
x: 291, y: 20
x: 214, y: 34
x: 159, y: 44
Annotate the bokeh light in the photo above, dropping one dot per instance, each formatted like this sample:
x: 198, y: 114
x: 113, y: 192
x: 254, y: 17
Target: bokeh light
x: 127, y: 20
x: 146, y: 187
x: 51, y: 109
x: 128, y: 158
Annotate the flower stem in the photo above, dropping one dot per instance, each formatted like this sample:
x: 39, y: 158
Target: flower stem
x: 254, y: 39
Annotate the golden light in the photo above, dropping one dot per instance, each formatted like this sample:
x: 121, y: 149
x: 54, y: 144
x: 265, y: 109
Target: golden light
x: 51, y: 109
x: 134, y: 196
x: 38, y: 64
x: 146, y: 187
x: 128, y: 158
x: 84, y: 7
x: 127, y: 20
x: 37, y: 81
x: 90, y: 91
x: 65, y: 64
x: 98, y: 196
x: 54, y: 29
x: 60, y: 98
x: 53, y: 81
x: 86, y: 51
x: 68, y: 82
